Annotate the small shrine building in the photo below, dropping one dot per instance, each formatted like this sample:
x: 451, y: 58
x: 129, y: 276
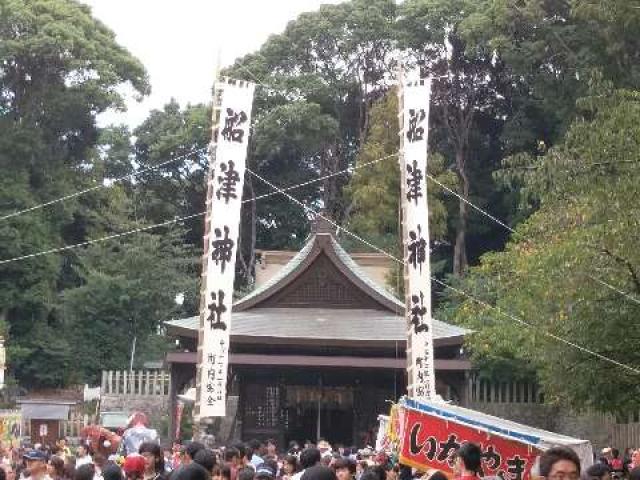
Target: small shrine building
x: 317, y: 351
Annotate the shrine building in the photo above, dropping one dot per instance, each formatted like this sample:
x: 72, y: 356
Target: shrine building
x: 317, y: 349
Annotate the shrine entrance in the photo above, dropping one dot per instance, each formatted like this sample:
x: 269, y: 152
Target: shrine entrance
x: 315, y: 412
x: 337, y: 405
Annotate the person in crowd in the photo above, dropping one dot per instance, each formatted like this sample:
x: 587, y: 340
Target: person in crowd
x: 265, y: 472
x: 134, y: 466
x: 559, y: 463
x: 290, y: 467
x: 246, y: 474
x: 597, y: 471
x: 111, y: 471
x: 138, y: 433
x: 635, y: 459
x: 36, y: 463
x: 361, y: 467
x: 99, y: 461
x: 154, y: 460
x: 168, y: 460
x: 255, y: 446
x: 244, y: 453
x: 64, y: 448
x: 192, y: 471
x: 85, y: 472
x: 55, y: 468
x: 272, y: 448
x: 234, y: 461
x: 467, y: 462
x: 345, y: 468
x: 308, y: 458
x: 294, y: 448
x: 318, y: 472
x: 325, y: 448
x: 83, y: 456
x: 207, y: 459
x: 634, y: 474
x: 9, y: 471
x: 438, y: 475
x: 616, y: 463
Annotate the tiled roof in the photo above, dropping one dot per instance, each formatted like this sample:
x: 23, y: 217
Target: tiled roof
x: 320, y: 324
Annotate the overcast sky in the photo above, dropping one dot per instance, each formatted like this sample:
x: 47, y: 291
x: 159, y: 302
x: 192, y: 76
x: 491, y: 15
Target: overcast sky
x: 178, y: 40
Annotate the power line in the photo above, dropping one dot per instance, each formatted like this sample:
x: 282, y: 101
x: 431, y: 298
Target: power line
x: 185, y: 218
x: 507, y: 227
x: 440, y: 282
x: 102, y: 185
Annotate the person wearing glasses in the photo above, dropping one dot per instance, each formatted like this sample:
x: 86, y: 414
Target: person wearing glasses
x: 559, y: 463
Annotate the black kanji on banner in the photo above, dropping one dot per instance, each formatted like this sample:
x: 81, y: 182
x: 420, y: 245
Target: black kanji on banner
x: 418, y: 312
x: 414, y: 182
x: 415, y: 132
x: 216, y: 309
x: 222, y: 248
x: 492, y: 458
x: 417, y: 248
x: 232, y: 122
x: 228, y: 180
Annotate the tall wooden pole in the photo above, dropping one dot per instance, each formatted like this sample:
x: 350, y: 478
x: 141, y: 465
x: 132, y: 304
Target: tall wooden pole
x: 215, y: 125
x: 413, y: 105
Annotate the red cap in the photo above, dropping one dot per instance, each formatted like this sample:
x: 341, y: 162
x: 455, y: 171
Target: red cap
x: 134, y: 463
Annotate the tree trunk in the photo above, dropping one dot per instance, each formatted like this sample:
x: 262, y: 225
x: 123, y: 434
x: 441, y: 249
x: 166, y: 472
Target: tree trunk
x: 460, y: 262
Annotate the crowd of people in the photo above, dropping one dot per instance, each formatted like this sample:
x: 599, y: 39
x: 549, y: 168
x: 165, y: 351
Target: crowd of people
x: 265, y: 461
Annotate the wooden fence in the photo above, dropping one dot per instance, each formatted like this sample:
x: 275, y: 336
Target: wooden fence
x: 487, y: 391
x: 135, y: 382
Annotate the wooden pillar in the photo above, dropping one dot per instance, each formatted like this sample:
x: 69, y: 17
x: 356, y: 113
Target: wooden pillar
x: 103, y: 383
x: 173, y: 401
x: 147, y: 383
x: 163, y: 377
x: 117, y: 389
x: 140, y: 379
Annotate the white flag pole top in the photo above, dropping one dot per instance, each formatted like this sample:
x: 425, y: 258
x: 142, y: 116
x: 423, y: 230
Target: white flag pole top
x: 414, y: 103
x: 224, y: 224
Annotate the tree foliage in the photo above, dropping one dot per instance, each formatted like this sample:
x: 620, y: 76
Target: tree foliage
x: 585, y: 232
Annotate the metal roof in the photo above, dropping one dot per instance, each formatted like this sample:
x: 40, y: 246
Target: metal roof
x: 251, y: 321
x: 319, y: 324
x: 283, y: 273
x: 355, y: 268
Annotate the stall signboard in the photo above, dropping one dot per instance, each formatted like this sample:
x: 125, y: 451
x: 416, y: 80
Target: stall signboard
x: 430, y: 442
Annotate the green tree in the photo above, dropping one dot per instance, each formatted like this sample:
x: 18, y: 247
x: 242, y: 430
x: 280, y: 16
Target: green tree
x: 585, y: 230
x: 338, y: 58
x: 127, y: 290
x: 59, y: 68
x: 375, y: 190
x: 468, y: 100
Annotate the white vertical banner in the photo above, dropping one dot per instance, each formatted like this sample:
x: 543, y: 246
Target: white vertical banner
x: 416, y: 96
x: 226, y: 200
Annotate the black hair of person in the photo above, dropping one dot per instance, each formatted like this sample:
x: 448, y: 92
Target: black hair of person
x: 153, y: 449
x: 554, y: 455
x: 206, y: 458
x: 246, y: 474
x: 471, y: 456
x: 193, y: 448
x: 309, y: 457
x: 84, y: 472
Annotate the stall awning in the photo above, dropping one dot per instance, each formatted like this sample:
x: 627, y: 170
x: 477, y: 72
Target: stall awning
x: 45, y: 411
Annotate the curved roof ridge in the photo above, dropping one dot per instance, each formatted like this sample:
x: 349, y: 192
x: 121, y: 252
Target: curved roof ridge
x: 281, y: 274
x: 355, y: 268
